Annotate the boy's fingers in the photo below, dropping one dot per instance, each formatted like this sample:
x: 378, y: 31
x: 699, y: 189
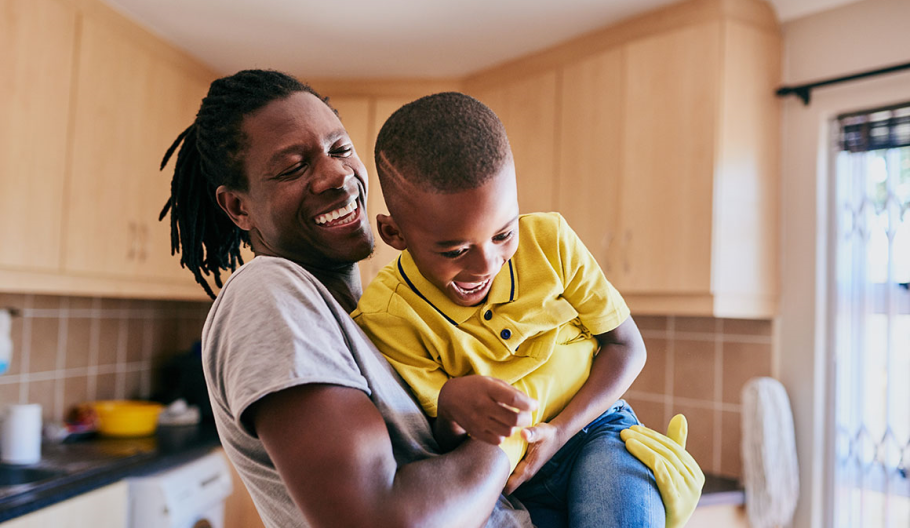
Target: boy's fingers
x: 509, y: 396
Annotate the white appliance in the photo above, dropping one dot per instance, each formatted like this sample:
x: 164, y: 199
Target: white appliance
x: 189, y: 496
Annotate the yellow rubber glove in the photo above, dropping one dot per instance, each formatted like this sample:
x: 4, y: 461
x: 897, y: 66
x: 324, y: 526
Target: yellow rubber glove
x: 678, y: 476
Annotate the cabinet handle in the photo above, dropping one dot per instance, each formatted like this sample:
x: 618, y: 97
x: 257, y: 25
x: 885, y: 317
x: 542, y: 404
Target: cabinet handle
x: 626, y: 251
x: 131, y: 254
x: 606, y: 242
x: 143, y: 242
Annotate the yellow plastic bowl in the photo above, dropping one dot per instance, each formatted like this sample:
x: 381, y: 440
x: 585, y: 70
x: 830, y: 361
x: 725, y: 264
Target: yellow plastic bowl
x: 127, y: 418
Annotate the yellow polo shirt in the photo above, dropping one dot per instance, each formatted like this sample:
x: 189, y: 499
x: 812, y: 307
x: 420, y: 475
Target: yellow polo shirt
x: 535, y: 330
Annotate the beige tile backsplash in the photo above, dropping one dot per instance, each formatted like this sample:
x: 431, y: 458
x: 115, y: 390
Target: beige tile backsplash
x: 74, y: 349
x: 698, y: 366
x: 68, y: 350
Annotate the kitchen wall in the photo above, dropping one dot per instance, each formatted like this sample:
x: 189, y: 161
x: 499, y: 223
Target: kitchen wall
x: 69, y: 350
x: 853, y: 38
x: 697, y: 366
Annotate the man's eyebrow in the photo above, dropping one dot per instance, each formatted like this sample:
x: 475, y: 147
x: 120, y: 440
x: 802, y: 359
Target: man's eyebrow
x: 451, y: 243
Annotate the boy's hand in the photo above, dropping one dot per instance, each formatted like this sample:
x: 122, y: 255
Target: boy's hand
x: 544, y: 440
x: 678, y: 476
x: 486, y: 408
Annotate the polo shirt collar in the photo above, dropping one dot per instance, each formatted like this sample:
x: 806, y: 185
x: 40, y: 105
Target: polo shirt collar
x: 503, y: 290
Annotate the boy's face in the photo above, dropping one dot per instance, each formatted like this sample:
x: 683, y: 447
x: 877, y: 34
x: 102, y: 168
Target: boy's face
x: 460, y: 241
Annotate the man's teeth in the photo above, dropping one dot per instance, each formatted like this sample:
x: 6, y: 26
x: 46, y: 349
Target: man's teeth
x: 337, y: 213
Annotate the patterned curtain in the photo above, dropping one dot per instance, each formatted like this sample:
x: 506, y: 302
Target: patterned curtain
x: 871, y: 315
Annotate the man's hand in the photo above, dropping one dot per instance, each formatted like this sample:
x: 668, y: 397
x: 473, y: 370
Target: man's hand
x: 678, y: 476
x: 488, y: 409
x: 544, y: 440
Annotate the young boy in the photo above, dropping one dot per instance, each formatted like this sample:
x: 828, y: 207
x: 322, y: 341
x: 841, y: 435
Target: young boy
x: 510, y: 334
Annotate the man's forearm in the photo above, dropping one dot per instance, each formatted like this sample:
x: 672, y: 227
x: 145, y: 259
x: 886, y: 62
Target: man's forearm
x: 464, y: 485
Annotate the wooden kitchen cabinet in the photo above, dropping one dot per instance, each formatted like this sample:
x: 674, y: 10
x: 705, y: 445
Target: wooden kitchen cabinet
x: 697, y: 233
x: 92, y: 104
x: 590, y: 154
x: 664, y: 229
x: 130, y: 106
x: 527, y: 109
x: 36, y: 55
x: 666, y: 152
x: 102, y: 508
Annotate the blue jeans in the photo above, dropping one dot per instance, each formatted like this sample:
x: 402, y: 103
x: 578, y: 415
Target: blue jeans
x: 594, y: 481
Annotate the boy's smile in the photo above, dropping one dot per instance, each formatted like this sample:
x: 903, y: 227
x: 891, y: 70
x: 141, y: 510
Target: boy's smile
x: 459, y: 241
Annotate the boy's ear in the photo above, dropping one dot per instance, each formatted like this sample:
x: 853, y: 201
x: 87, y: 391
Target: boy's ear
x: 390, y: 233
x: 233, y: 204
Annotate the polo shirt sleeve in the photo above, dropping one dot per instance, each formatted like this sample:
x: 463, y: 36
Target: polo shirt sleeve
x: 400, y: 339
x: 599, y: 305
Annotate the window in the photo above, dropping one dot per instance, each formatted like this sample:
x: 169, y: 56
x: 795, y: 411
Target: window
x: 871, y: 318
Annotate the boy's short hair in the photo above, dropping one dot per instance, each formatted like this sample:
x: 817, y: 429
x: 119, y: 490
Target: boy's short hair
x: 442, y: 143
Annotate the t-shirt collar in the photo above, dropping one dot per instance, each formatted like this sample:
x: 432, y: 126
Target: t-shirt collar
x: 503, y: 290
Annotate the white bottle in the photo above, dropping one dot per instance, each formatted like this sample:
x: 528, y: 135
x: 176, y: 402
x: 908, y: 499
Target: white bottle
x: 6, y: 340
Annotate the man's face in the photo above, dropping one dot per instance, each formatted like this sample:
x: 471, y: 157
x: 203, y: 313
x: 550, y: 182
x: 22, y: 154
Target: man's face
x: 460, y: 241
x: 307, y: 187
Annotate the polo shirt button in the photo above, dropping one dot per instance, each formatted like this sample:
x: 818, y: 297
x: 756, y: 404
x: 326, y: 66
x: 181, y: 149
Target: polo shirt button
x: 488, y: 315
x: 505, y: 334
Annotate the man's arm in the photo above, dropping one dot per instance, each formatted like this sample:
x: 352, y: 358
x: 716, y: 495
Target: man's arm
x: 620, y: 359
x: 333, y: 451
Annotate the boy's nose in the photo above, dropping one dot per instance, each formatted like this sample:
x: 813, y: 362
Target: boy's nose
x: 486, y: 263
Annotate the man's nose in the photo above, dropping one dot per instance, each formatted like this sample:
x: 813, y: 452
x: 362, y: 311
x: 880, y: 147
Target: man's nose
x: 331, y: 173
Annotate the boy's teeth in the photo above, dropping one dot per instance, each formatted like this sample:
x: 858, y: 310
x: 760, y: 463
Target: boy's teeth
x: 470, y: 287
x: 337, y: 213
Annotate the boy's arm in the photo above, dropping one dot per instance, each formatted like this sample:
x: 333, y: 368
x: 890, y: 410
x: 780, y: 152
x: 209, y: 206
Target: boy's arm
x: 332, y: 449
x: 620, y: 359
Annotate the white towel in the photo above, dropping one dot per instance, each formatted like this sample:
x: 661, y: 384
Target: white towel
x: 769, y: 454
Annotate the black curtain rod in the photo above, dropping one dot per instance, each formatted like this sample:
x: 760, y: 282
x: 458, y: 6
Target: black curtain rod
x: 804, y: 91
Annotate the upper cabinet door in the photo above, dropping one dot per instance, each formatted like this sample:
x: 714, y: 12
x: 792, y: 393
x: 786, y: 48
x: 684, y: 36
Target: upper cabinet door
x: 37, y: 38
x: 527, y: 108
x: 590, y: 155
x: 173, y: 100
x: 671, y: 94
x: 111, y: 154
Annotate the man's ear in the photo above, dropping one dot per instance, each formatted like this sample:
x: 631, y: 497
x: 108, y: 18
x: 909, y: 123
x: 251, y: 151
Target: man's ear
x: 390, y: 233
x: 233, y: 203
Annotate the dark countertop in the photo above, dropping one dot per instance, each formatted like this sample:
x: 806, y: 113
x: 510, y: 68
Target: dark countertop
x: 721, y: 491
x: 92, y: 464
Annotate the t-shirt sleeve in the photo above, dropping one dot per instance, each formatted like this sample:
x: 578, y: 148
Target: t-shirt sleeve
x: 599, y: 305
x: 272, y: 330
x: 399, y: 339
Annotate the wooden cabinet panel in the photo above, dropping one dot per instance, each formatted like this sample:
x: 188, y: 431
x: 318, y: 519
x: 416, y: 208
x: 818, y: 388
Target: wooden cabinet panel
x: 527, y: 108
x: 101, y: 508
x: 111, y: 154
x: 671, y: 92
x: 130, y: 106
x: 175, y: 98
x: 590, y: 150
x: 36, y: 57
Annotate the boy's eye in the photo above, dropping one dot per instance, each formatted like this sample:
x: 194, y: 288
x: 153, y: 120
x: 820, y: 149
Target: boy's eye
x: 455, y: 253
x: 502, y: 237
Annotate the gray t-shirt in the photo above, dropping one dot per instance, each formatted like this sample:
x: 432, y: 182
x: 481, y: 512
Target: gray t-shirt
x: 275, y: 326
